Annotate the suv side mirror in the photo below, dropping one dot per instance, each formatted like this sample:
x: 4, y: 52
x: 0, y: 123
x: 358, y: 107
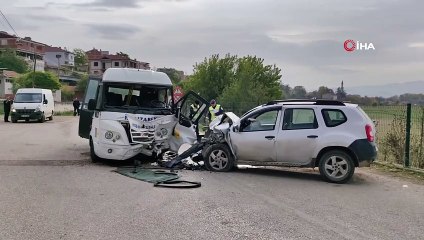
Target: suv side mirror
x: 92, y: 104
x: 45, y: 101
x: 236, y: 128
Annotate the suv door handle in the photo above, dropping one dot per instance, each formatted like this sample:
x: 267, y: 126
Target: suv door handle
x: 312, y: 136
x: 270, y: 137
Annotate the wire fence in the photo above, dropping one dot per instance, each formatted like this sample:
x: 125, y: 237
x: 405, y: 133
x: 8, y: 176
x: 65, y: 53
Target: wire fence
x: 394, y: 133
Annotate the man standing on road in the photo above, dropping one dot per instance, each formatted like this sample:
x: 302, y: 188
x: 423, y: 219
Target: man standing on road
x: 214, y: 110
x: 77, y: 105
x: 7, y: 105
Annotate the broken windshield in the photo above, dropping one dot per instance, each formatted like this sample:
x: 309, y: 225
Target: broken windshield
x: 139, y: 98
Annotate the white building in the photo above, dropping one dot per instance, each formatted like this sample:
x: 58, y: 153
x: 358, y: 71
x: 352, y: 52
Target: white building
x: 6, y: 82
x: 56, y: 56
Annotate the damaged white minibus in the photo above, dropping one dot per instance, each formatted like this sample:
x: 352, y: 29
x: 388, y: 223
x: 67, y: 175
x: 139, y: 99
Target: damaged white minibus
x: 131, y: 111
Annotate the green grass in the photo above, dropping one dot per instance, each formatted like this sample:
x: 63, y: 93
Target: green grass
x: 1, y: 108
x: 66, y: 113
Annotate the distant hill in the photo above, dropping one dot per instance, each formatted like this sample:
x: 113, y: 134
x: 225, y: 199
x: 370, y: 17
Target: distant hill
x: 388, y: 90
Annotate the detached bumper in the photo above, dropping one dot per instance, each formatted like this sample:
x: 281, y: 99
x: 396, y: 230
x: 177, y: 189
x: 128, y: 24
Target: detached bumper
x: 365, y: 152
x: 20, y: 116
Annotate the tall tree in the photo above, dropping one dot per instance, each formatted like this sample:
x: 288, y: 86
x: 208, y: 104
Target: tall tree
x: 80, y: 58
x: 324, y: 90
x: 255, y: 83
x: 212, y: 76
x: 299, y: 92
x: 82, y: 83
x: 175, y: 75
x: 287, y: 90
x: 45, y: 80
x: 10, y: 61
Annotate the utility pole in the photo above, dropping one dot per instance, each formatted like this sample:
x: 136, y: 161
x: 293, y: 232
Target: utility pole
x: 58, y: 56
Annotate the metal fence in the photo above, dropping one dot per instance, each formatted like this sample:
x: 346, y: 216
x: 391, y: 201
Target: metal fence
x: 400, y: 132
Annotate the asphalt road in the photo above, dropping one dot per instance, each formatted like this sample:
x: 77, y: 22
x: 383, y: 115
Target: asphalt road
x: 48, y: 190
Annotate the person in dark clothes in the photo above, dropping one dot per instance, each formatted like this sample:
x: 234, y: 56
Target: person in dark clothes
x: 7, y: 105
x: 77, y: 105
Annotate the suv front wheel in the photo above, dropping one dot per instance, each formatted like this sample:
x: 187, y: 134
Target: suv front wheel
x: 336, y: 166
x: 218, y: 158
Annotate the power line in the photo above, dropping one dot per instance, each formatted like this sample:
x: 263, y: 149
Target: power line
x: 2, y: 23
x: 8, y: 23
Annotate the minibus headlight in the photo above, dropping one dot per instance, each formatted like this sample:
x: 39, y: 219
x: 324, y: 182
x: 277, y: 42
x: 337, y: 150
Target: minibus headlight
x: 109, y: 135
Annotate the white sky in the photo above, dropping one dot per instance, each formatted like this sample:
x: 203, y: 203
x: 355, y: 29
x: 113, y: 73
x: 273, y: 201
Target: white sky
x: 303, y: 38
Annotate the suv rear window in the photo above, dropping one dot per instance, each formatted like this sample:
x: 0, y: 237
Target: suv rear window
x: 333, y: 117
x: 299, y: 118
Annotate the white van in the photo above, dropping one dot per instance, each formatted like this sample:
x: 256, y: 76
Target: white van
x: 130, y: 111
x: 33, y: 103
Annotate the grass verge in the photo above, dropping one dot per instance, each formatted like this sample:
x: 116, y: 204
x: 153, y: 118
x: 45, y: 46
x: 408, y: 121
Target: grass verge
x: 414, y: 175
x: 66, y: 113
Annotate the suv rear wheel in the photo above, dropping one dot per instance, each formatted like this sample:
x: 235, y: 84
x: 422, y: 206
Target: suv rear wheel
x: 336, y: 166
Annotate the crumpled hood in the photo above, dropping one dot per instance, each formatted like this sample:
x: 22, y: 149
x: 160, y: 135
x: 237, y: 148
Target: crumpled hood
x: 215, y: 124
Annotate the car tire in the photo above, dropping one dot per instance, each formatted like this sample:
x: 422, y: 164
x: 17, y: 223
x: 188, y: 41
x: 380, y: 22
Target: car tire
x: 42, y: 119
x: 93, y: 156
x: 218, y: 158
x: 14, y: 121
x: 51, y: 117
x: 336, y: 166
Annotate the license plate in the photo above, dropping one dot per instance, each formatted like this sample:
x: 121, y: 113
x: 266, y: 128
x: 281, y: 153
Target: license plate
x: 24, y: 115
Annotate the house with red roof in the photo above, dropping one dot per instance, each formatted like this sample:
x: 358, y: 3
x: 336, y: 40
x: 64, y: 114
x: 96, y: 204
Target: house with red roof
x: 99, y: 61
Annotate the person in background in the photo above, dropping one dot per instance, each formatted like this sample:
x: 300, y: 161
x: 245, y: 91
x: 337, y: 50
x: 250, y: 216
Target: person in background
x: 77, y: 105
x: 214, y: 110
x: 193, y: 108
x: 7, y: 105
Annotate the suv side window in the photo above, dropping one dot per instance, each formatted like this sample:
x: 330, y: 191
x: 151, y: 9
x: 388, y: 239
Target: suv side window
x: 263, y: 121
x: 299, y: 118
x: 333, y: 117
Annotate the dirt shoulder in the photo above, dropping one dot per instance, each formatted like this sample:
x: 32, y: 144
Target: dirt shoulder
x: 414, y: 176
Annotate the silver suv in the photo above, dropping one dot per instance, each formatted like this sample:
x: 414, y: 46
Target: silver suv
x: 331, y: 135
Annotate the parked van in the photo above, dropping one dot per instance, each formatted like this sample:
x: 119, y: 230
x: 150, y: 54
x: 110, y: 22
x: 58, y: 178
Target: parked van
x: 131, y: 111
x: 33, y: 103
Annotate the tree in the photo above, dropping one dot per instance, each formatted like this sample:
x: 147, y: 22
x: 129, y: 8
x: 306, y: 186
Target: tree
x: 287, y: 90
x: 10, y: 61
x: 237, y: 83
x: 66, y: 94
x: 212, y: 76
x: 80, y: 58
x: 82, y: 83
x: 175, y: 75
x: 324, y: 90
x: 254, y: 84
x: 299, y: 92
x: 341, y: 94
x: 45, y: 80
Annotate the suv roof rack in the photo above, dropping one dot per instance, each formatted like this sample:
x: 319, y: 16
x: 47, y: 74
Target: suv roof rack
x: 312, y: 101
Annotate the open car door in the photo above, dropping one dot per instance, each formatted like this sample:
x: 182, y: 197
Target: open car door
x: 190, y: 111
x: 86, y: 116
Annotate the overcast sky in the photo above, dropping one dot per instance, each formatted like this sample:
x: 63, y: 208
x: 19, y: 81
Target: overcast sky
x: 304, y: 38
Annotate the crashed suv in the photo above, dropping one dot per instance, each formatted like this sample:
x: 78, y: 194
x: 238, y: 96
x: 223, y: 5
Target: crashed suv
x: 334, y: 136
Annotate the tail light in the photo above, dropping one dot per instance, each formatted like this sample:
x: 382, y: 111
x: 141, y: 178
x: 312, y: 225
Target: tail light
x: 368, y: 131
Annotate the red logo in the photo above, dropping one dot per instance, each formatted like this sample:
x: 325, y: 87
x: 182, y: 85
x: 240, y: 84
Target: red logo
x: 349, y: 45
